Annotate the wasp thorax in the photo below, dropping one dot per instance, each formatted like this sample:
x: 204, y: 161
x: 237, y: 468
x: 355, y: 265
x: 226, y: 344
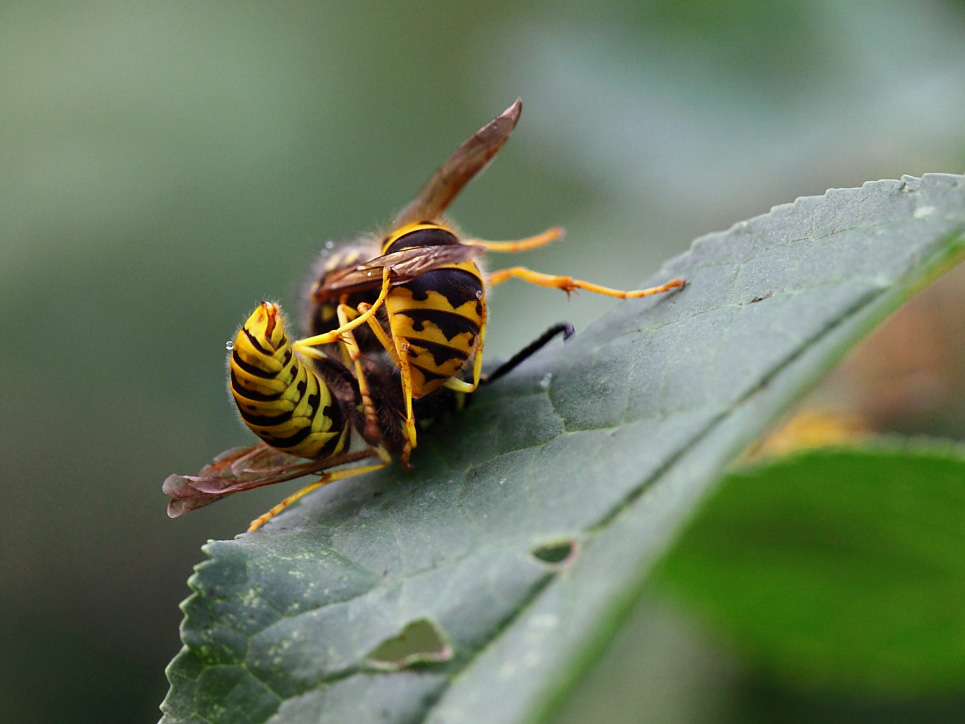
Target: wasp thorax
x: 423, y: 234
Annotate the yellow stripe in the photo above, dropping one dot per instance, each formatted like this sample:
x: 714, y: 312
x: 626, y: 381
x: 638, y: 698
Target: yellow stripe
x: 293, y: 380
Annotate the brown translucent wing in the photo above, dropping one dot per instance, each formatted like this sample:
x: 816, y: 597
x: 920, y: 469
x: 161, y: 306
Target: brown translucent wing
x: 458, y: 170
x: 242, y: 469
x: 405, y: 266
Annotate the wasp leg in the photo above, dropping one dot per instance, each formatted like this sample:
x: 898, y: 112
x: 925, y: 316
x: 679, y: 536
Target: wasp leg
x: 405, y: 372
x: 454, y: 383
x: 333, y: 336
x: 380, y: 334
x: 532, y: 242
x: 478, y: 362
x: 569, y: 284
x: 372, y: 428
x: 351, y: 351
x: 563, y: 328
x: 402, y: 362
x: 323, y: 480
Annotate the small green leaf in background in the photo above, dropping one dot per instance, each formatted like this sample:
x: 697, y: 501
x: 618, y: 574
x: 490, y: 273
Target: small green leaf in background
x: 534, y: 520
x: 841, y: 570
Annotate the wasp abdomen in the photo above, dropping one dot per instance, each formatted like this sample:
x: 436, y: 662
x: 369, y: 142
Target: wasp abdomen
x: 279, y: 397
x: 435, y: 320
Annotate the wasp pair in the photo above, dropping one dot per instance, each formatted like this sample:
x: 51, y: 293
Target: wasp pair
x: 396, y: 330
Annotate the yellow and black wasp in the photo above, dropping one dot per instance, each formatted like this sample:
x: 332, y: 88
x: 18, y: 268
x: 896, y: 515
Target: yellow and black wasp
x: 420, y: 288
x: 304, y: 411
x: 396, y: 328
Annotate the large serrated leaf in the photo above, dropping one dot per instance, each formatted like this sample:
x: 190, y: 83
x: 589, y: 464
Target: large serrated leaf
x: 606, y: 443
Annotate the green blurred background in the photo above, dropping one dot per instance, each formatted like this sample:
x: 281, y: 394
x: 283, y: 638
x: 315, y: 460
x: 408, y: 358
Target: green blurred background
x: 167, y: 166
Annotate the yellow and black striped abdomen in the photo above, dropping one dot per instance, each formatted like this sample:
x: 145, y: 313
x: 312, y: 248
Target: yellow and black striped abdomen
x: 435, y: 322
x: 279, y: 397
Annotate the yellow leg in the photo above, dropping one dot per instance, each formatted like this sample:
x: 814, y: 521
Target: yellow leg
x: 334, y: 335
x: 569, y: 284
x: 323, y: 480
x: 402, y: 362
x: 372, y: 429
x: 532, y: 242
x: 454, y: 383
x: 380, y: 334
x: 405, y: 373
x: 478, y: 361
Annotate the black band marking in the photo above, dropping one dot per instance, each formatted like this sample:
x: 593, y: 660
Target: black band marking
x: 429, y: 374
x: 255, y: 343
x: 456, y: 285
x: 252, y: 369
x: 441, y: 353
x: 449, y: 323
x: 241, y: 391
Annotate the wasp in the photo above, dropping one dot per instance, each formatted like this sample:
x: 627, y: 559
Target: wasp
x: 396, y: 325
x: 420, y: 290
x: 304, y: 411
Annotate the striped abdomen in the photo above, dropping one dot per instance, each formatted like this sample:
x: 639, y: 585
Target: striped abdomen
x: 435, y: 319
x: 279, y: 397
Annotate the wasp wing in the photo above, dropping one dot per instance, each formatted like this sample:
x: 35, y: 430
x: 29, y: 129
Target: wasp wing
x: 404, y: 266
x: 459, y: 169
x: 242, y: 469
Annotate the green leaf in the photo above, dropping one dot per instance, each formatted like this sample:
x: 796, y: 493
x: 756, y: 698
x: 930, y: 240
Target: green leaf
x: 535, y: 518
x: 840, y: 570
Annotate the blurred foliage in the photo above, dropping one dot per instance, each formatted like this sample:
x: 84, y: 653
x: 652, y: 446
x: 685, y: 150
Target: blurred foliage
x: 826, y: 587
x: 842, y: 569
x: 167, y: 166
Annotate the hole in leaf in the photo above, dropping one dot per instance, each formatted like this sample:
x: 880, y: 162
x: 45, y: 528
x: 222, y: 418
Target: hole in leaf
x: 557, y: 553
x: 421, y: 642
